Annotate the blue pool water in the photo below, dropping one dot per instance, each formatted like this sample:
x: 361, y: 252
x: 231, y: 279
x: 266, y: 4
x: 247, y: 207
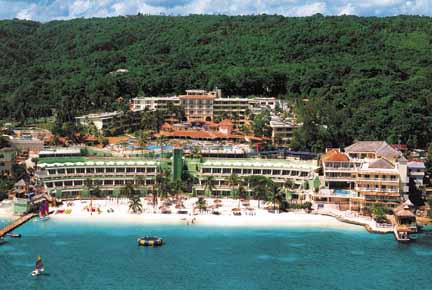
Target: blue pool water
x: 342, y: 192
x: 106, y: 257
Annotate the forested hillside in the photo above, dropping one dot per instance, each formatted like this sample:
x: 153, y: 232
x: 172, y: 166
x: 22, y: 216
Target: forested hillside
x: 365, y: 78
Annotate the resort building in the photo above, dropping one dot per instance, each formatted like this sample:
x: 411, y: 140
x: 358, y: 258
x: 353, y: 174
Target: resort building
x: 68, y: 178
x: 416, y: 172
x: 109, y: 120
x: 198, y: 105
x: 154, y: 103
x: 232, y: 108
x: 370, y: 170
x: 60, y: 152
x: 202, y: 105
x: 280, y: 171
x: 282, y: 130
x: 7, y: 160
x: 30, y: 145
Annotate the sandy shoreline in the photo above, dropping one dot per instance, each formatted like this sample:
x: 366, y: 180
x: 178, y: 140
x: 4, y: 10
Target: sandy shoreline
x: 274, y: 220
x: 259, y: 218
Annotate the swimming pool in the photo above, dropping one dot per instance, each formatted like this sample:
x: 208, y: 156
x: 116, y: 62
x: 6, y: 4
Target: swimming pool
x: 344, y: 192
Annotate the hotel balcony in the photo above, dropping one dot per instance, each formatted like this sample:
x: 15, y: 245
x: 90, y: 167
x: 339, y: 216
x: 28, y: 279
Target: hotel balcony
x: 377, y: 180
x: 380, y: 190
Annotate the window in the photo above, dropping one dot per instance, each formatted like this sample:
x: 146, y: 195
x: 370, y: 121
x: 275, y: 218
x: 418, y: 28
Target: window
x: 51, y: 171
x: 285, y: 172
x: 100, y: 170
x: 226, y: 170
x: 257, y: 171
x: 78, y: 182
x: 247, y: 171
x: 119, y: 169
x: 276, y: 172
x: 216, y: 170
x: 58, y: 183
x: 151, y: 170
x: 206, y: 170
x: 109, y: 170
x: 237, y: 170
x: 61, y: 171
x: 68, y: 183
x: 109, y: 182
x: 119, y: 182
x: 266, y: 171
x: 140, y: 169
x: 130, y: 170
x: 90, y: 170
x: 70, y: 170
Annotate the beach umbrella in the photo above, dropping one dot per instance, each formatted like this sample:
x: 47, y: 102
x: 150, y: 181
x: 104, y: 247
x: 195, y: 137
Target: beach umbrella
x: 236, y: 209
x: 179, y: 206
x: 217, y: 201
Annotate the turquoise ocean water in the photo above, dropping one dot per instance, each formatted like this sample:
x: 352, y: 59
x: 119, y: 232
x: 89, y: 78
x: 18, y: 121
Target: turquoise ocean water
x: 106, y: 257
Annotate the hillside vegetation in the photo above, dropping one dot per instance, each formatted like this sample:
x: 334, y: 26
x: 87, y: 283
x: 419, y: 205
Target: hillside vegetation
x: 364, y: 78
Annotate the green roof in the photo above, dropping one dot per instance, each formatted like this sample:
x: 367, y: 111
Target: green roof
x: 262, y: 163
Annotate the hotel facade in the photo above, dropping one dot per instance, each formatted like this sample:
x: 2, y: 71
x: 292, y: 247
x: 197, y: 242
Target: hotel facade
x: 202, y: 105
x: 66, y: 178
x: 372, y: 172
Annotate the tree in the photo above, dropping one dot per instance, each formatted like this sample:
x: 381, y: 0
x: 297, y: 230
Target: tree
x: 261, y: 187
x: 128, y: 191
x: 209, y: 186
x: 378, y: 213
x: 201, y: 204
x: 233, y: 181
x: 135, y: 205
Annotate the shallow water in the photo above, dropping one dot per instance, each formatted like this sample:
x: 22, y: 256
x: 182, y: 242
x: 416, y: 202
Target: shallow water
x: 106, y: 257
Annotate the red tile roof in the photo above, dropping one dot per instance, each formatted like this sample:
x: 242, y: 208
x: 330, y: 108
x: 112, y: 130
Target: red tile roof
x: 335, y: 156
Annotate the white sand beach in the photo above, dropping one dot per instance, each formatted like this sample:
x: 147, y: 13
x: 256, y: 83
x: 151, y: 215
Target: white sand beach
x: 77, y: 211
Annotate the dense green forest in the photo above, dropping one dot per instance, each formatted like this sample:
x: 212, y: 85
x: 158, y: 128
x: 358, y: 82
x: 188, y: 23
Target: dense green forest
x: 363, y: 78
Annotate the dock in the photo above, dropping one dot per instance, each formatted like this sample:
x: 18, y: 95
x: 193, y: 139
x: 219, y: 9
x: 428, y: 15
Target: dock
x: 16, y: 223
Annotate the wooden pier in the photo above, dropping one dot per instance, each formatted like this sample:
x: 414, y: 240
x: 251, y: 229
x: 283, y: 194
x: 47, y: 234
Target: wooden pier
x: 16, y: 223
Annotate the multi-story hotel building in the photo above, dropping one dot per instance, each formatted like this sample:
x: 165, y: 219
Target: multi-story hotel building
x: 201, y: 105
x: 108, y: 120
x: 297, y: 171
x: 373, y: 170
x: 198, y: 105
x: 68, y: 178
x: 282, y: 130
x: 154, y: 103
x: 7, y: 160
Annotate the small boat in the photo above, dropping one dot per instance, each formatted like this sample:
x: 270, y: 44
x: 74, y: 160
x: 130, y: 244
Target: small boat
x: 12, y: 235
x: 2, y: 241
x: 150, y: 241
x: 38, y: 268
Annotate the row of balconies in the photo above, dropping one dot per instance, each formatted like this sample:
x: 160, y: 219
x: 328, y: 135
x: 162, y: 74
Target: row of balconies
x: 53, y: 172
x: 370, y: 189
x: 279, y: 173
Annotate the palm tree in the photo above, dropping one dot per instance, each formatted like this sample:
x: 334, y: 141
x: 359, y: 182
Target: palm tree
x: 128, y: 190
x: 209, y: 185
x: 162, y: 141
x: 233, y: 181
x: 135, y: 204
x: 261, y: 187
x: 143, y: 138
x: 201, y: 204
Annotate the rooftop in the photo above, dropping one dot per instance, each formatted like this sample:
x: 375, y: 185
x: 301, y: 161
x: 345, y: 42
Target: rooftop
x: 379, y: 147
x: 261, y: 163
x: 335, y: 156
